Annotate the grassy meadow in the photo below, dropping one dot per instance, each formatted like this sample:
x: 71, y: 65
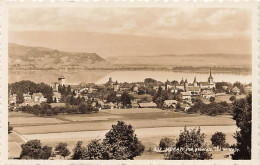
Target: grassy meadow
x: 150, y: 126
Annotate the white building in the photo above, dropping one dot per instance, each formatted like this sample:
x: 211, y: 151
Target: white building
x: 61, y: 81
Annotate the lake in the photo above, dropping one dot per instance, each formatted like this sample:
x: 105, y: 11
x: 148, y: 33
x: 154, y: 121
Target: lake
x: 102, y: 76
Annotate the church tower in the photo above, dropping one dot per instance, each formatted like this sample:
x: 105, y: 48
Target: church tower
x: 181, y: 82
x: 210, y: 79
x: 185, y: 85
x: 195, y: 83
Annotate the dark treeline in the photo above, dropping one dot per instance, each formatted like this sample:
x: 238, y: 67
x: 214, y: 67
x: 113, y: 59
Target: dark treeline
x: 211, y: 109
x: 45, y: 109
x: 30, y: 87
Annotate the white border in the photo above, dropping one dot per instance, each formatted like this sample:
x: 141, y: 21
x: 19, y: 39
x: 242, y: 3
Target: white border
x: 6, y: 4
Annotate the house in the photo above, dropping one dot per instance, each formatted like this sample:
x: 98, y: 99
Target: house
x: 28, y: 102
x: 147, y: 105
x: 38, y: 97
x: 116, y: 86
x: 90, y: 90
x: 61, y: 81
x: 57, y: 96
x: 135, y: 88
x: 27, y: 97
x: 134, y: 104
x: 174, y: 89
x: 248, y: 89
x: 12, y: 99
x: 207, y: 94
x: 185, y: 95
x: 185, y: 107
x: 100, y: 104
x: 193, y: 90
x: 235, y: 90
x: 57, y: 104
x: 109, y: 105
x: 220, y: 94
x: 55, y: 86
x: 118, y: 95
x: 170, y: 103
x: 225, y: 87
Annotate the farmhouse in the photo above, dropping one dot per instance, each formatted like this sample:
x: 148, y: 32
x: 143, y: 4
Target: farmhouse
x: 38, y: 97
x: 12, y: 99
x: 235, y: 90
x: 57, y: 96
x: 169, y: 103
x: 27, y: 97
x: 207, y: 94
x: 186, y: 95
x: 147, y: 105
x: 196, y: 87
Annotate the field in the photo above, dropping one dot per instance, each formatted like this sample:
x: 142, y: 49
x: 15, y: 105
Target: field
x: 150, y: 126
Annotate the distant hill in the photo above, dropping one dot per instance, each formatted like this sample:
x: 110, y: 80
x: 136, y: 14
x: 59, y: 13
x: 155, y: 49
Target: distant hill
x: 193, y: 60
x: 39, y: 58
x: 26, y: 57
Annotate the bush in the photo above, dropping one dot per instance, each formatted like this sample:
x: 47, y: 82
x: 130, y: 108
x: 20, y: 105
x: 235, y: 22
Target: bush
x: 10, y: 128
x: 189, y: 141
x: 218, y: 140
x: 122, y: 143
x: 78, y: 151
x: 166, y: 143
x: 242, y: 113
x: 232, y: 98
x: 212, y: 99
x: 94, y: 151
x: 62, y: 150
x: 33, y: 150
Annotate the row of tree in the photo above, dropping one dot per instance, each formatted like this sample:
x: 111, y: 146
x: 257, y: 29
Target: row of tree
x: 211, y: 109
x: 30, y: 87
x: 242, y: 114
x: 120, y: 143
x: 45, y: 109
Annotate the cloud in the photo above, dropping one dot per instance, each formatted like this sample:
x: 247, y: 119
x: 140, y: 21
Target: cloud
x: 156, y: 22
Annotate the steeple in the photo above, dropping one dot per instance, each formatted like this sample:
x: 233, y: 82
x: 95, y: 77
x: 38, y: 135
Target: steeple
x: 181, y: 81
x: 195, y: 80
x: 210, y: 75
x: 210, y: 79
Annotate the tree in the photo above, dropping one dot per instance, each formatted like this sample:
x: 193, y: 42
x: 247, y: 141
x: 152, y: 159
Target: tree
x: 240, y: 86
x: 112, y: 97
x: 78, y: 151
x: 33, y: 150
x: 62, y: 149
x: 19, y: 98
x: 178, y: 106
x: 126, y: 99
x: 55, y: 100
x: 166, y: 143
x: 94, y: 151
x: 232, y: 98
x: 218, y: 139
x: 212, y: 99
x: 122, y: 143
x: 141, y: 90
x: 189, y: 141
x: 242, y: 113
x: 10, y: 128
x: 46, y: 152
x: 85, y: 108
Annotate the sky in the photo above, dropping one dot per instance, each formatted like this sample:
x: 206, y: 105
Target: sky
x: 94, y: 29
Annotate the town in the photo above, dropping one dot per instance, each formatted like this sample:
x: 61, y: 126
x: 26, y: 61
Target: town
x: 179, y: 96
